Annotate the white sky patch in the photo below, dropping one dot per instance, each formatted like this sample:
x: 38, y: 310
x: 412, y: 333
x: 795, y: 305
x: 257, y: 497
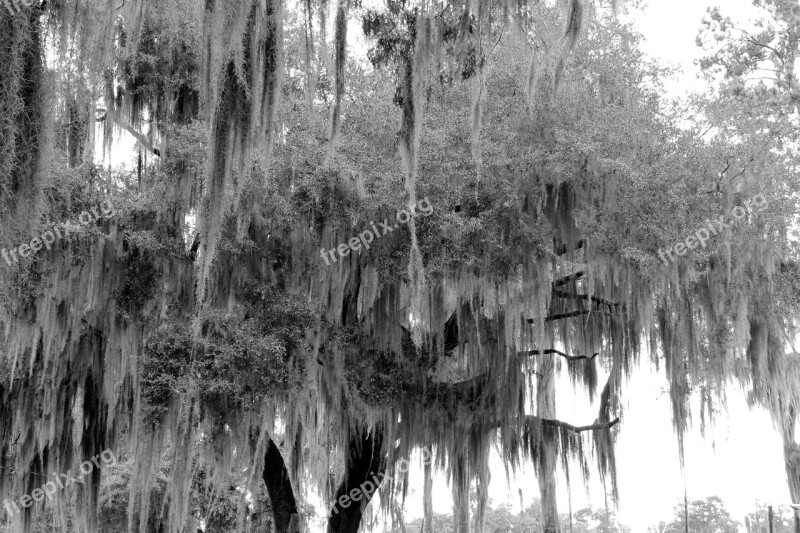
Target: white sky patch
x: 670, y: 28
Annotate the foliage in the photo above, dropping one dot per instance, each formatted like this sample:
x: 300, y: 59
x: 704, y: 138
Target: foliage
x: 705, y: 516
x: 782, y: 522
x: 166, y: 358
x: 500, y: 519
x: 240, y: 356
x: 141, y: 278
x: 598, y: 520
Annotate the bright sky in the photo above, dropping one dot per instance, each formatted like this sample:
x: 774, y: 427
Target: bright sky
x: 740, y: 460
x: 670, y: 28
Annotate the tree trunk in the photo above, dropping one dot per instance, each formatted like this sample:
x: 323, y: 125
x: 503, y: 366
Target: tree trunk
x: 365, y: 468
x: 791, y: 459
x: 546, y: 406
x: 339, y: 60
x: 771, y: 519
x: 427, y: 499
x: 461, y: 496
x: 79, y: 135
x: 281, y: 495
x: 483, y: 499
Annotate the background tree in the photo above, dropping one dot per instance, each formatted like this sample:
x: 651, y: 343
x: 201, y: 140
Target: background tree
x: 758, y: 520
x: 758, y: 101
x: 705, y: 516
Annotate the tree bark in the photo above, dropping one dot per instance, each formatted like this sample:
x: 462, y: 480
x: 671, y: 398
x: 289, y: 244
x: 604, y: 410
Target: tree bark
x: 339, y: 60
x: 365, y: 467
x: 427, y: 499
x: 546, y: 407
x: 791, y: 459
x: 483, y: 499
x: 461, y: 478
x: 281, y: 495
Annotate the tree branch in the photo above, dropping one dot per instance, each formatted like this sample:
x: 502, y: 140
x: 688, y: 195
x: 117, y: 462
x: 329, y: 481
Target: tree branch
x: 570, y: 314
x: 559, y: 316
x: 568, y: 279
x: 572, y: 296
x: 144, y: 141
x: 561, y: 250
x: 752, y: 41
x: 562, y: 354
x: 566, y: 425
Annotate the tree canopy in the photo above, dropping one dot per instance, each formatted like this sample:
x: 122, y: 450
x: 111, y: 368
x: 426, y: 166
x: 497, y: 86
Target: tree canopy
x: 230, y: 330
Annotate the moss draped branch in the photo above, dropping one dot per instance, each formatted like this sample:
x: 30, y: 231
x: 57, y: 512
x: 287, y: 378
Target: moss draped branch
x: 559, y: 352
x: 570, y: 314
x: 140, y: 137
x: 566, y: 425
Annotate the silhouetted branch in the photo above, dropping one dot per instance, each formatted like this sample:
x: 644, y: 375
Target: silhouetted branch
x: 561, y: 250
x: 570, y: 314
x: 567, y: 279
x: 566, y: 425
x: 562, y: 354
x: 572, y: 296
